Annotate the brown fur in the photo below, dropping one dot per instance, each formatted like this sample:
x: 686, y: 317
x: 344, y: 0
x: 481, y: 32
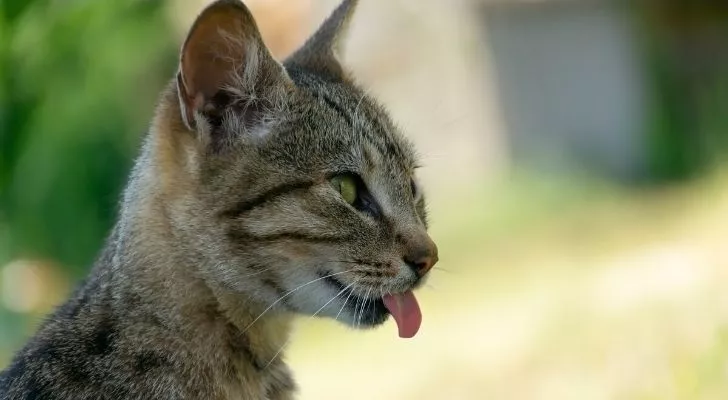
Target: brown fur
x: 230, y: 226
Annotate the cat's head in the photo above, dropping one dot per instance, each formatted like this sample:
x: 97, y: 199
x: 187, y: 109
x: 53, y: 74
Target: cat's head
x: 291, y: 183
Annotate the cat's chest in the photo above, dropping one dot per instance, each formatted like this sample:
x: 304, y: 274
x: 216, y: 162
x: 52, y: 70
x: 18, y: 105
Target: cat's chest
x: 245, y: 383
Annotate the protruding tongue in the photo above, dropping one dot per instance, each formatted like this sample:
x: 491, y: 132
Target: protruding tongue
x: 406, y: 311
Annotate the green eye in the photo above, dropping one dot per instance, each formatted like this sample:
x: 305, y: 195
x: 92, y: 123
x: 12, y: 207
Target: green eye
x: 346, y: 186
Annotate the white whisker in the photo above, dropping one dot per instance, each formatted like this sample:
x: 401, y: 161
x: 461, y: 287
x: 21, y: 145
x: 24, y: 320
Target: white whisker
x: 363, y: 306
x: 356, y: 309
x: 309, y: 318
x: 342, y: 307
x: 288, y: 294
x: 333, y: 298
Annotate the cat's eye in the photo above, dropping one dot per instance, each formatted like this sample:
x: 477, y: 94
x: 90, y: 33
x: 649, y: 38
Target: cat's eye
x: 354, y: 191
x: 346, y: 186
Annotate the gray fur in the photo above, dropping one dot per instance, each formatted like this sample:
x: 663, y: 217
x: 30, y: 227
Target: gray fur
x: 226, y: 229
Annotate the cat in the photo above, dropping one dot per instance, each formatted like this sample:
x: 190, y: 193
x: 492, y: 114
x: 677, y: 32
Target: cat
x: 264, y: 190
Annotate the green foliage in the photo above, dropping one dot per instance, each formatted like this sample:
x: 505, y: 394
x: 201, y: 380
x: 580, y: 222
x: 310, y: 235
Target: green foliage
x: 78, y: 82
x: 686, y: 57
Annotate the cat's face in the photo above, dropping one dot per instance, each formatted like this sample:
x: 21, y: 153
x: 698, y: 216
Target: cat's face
x: 305, y: 193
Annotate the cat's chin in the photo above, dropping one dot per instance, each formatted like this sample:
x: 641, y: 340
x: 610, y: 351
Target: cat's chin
x: 365, y: 313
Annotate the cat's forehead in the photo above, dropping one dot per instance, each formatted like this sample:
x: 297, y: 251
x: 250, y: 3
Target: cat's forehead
x: 340, y: 121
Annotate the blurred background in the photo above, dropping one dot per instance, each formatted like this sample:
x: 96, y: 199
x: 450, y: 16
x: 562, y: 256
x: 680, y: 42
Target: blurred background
x: 575, y: 160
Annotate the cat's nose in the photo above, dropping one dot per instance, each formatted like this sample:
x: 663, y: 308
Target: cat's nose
x: 421, y: 255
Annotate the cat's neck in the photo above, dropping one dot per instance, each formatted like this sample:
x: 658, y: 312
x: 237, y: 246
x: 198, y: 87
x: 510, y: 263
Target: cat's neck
x: 148, y: 263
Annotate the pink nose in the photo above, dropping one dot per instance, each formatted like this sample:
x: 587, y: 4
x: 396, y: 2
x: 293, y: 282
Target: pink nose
x: 422, y: 257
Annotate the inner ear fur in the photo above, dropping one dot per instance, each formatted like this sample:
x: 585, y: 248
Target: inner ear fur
x: 224, y: 61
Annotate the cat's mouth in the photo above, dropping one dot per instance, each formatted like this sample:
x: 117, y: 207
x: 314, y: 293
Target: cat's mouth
x: 374, y: 310
x: 365, y: 311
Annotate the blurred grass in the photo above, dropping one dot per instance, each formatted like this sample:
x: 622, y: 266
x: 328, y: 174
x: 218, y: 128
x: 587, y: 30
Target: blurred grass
x: 78, y: 82
x: 78, y: 85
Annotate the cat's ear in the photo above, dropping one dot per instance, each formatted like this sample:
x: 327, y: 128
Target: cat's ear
x: 322, y: 51
x: 226, y: 71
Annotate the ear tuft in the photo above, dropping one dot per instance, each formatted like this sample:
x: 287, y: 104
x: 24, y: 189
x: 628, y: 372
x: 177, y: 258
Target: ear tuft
x: 323, y: 50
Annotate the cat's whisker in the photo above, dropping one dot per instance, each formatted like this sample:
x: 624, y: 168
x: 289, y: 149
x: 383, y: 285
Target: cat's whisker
x: 333, y: 298
x: 288, y: 294
x: 371, y: 303
x: 280, y: 349
x: 363, y: 266
x: 444, y: 270
x: 363, y: 306
x: 283, y: 346
x: 356, y: 310
x: 357, y: 316
x: 374, y: 304
x: 345, y: 301
x: 357, y: 265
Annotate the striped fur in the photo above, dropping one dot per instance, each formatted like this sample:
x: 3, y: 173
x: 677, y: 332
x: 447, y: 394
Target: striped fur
x: 229, y: 227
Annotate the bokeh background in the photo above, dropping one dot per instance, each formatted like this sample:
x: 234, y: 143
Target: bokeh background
x: 574, y: 156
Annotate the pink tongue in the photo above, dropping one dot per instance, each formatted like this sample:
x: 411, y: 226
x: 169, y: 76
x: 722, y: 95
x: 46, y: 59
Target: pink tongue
x: 406, y: 311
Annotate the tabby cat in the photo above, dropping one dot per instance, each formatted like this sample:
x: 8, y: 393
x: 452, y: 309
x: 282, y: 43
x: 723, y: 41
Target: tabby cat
x: 263, y: 191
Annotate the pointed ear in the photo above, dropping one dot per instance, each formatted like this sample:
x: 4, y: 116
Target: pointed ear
x: 323, y: 50
x: 226, y: 71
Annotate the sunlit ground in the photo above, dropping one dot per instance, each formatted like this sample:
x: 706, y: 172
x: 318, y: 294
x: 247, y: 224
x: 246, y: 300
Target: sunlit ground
x: 551, y: 292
